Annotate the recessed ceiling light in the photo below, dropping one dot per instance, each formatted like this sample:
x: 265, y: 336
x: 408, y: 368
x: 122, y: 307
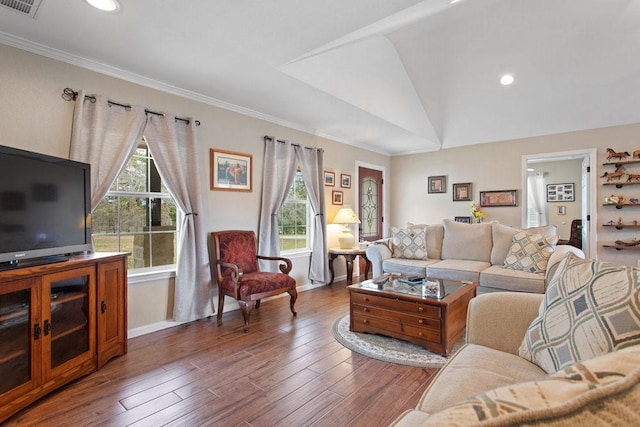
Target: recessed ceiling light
x: 106, y: 5
x: 454, y: 1
x: 506, y: 80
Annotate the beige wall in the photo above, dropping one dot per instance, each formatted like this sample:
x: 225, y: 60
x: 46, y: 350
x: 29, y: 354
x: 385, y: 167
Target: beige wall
x: 34, y: 117
x: 497, y: 166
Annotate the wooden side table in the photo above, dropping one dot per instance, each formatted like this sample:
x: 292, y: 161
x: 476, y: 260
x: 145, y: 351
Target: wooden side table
x: 349, y: 255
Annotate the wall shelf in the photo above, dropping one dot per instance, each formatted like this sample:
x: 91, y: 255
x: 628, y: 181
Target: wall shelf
x: 621, y: 205
x: 621, y: 163
x: 620, y: 248
x: 621, y: 226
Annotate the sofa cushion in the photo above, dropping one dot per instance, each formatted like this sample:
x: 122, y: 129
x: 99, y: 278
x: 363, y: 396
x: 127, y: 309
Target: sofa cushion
x: 466, y: 241
x: 590, y: 308
x: 503, y: 234
x: 506, y: 279
x: 588, y: 393
x: 530, y: 252
x: 433, y: 239
x: 409, y: 243
x: 411, y: 267
x: 457, y: 269
x: 475, y: 369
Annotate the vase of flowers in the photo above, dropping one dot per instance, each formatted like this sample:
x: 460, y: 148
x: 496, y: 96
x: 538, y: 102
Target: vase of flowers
x: 476, y: 212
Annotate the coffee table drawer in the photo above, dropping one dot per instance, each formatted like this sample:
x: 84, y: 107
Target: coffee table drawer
x: 363, y: 323
x: 396, y: 305
x: 399, y: 316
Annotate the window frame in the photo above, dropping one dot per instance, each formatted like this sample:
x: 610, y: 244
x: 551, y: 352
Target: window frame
x: 308, y: 217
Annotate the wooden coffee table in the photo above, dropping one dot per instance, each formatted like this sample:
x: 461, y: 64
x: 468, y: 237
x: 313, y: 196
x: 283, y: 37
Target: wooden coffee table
x: 401, y: 311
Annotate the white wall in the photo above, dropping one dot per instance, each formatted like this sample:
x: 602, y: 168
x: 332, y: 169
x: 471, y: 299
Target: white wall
x: 34, y: 117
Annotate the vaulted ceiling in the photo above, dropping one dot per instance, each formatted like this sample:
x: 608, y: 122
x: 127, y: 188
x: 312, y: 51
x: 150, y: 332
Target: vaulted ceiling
x: 394, y: 76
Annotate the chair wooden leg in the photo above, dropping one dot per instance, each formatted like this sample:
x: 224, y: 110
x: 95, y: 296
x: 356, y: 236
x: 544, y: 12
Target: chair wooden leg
x: 246, y: 307
x: 294, y: 296
x: 220, y: 303
x: 257, y: 303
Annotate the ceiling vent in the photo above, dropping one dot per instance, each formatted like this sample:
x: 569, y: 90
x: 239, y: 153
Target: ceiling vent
x: 25, y: 7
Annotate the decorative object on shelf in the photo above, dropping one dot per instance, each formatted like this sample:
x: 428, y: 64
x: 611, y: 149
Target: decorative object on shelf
x: 337, y: 197
x: 613, y: 200
x: 634, y: 201
x: 329, y: 179
x: 476, y: 212
x: 612, y: 154
x: 630, y: 242
x: 561, y: 210
x: 499, y: 198
x: 465, y: 219
x: 462, y: 192
x: 230, y: 171
x: 346, y: 216
x: 618, y: 174
x: 633, y: 176
x: 560, y: 192
x: 345, y: 180
x: 437, y: 184
x: 636, y: 154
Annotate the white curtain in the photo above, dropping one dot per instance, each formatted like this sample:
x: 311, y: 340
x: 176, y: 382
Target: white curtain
x: 174, y: 148
x: 537, y: 204
x: 104, y: 136
x: 311, y: 162
x: 277, y: 178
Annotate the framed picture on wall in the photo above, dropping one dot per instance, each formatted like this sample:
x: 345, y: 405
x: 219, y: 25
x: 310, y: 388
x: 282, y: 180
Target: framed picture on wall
x: 329, y: 179
x: 561, y: 192
x: 465, y: 219
x: 437, y: 184
x: 230, y: 171
x: 462, y: 192
x: 337, y: 197
x: 345, y: 180
x: 499, y: 198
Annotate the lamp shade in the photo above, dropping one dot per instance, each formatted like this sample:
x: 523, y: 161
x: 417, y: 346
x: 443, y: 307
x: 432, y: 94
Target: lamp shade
x: 346, y: 216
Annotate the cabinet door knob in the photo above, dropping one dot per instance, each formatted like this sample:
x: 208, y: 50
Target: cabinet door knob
x: 103, y: 307
x: 47, y: 327
x: 37, y: 330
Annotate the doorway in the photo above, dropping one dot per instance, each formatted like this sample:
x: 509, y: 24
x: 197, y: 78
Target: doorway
x: 585, y: 210
x: 370, y: 207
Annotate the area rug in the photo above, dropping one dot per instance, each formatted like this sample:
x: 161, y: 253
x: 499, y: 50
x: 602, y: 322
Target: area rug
x: 388, y: 349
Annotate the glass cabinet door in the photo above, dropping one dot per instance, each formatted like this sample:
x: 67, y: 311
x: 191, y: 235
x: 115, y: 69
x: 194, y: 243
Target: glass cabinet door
x: 16, y: 314
x: 68, y: 324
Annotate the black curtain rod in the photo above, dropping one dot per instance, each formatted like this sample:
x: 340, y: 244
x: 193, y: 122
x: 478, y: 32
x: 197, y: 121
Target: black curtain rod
x: 69, y: 94
x: 267, y: 137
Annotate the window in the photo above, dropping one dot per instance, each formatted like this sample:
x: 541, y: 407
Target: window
x: 138, y: 215
x: 293, y: 218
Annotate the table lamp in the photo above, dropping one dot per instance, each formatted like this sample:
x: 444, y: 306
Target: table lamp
x: 346, y: 216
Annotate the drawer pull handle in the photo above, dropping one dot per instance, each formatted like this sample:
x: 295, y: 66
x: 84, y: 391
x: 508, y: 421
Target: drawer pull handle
x: 366, y: 310
x: 421, y: 321
x: 420, y: 309
x: 366, y: 321
x: 420, y: 334
x: 366, y: 299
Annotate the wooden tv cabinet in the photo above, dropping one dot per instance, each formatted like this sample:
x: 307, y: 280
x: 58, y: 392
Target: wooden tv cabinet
x: 59, y: 322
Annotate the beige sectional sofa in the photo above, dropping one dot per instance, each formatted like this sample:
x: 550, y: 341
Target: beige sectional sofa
x: 474, y: 252
x: 570, y: 357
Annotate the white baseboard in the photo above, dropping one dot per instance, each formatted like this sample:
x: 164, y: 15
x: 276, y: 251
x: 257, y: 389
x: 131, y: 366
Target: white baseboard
x: 229, y: 306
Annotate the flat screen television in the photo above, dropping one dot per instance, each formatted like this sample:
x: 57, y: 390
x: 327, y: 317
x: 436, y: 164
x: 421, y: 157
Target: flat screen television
x: 45, y: 208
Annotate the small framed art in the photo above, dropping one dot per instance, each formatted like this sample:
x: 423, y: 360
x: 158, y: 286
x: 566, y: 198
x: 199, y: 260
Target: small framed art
x: 465, y: 219
x: 345, y: 180
x: 462, y: 192
x: 337, y: 197
x: 230, y: 171
x: 437, y: 184
x: 329, y: 179
x: 560, y: 193
x: 561, y: 210
x: 499, y: 198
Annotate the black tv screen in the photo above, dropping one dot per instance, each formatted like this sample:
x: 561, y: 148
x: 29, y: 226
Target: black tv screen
x: 45, y: 206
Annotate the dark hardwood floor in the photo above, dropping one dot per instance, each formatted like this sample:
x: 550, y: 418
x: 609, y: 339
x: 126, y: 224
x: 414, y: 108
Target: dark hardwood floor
x: 286, y: 371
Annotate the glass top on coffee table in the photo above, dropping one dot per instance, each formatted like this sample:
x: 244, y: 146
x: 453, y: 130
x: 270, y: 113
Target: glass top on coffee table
x: 413, y: 285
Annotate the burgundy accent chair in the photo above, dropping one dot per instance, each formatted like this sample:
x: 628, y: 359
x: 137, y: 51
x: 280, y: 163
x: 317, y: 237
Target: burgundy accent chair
x: 234, y: 263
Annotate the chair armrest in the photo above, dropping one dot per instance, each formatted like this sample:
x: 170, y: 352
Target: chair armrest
x: 500, y: 320
x: 236, y: 271
x: 285, y: 268
x: 377, y: 252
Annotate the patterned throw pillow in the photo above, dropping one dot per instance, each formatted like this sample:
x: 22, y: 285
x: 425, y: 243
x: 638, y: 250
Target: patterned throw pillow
x: 530, y: 252
x: 409, y: 243
x: 604, y: 388
x: 590, y: 308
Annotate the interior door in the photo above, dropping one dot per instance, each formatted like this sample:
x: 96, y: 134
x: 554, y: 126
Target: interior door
x: 370, y: 199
